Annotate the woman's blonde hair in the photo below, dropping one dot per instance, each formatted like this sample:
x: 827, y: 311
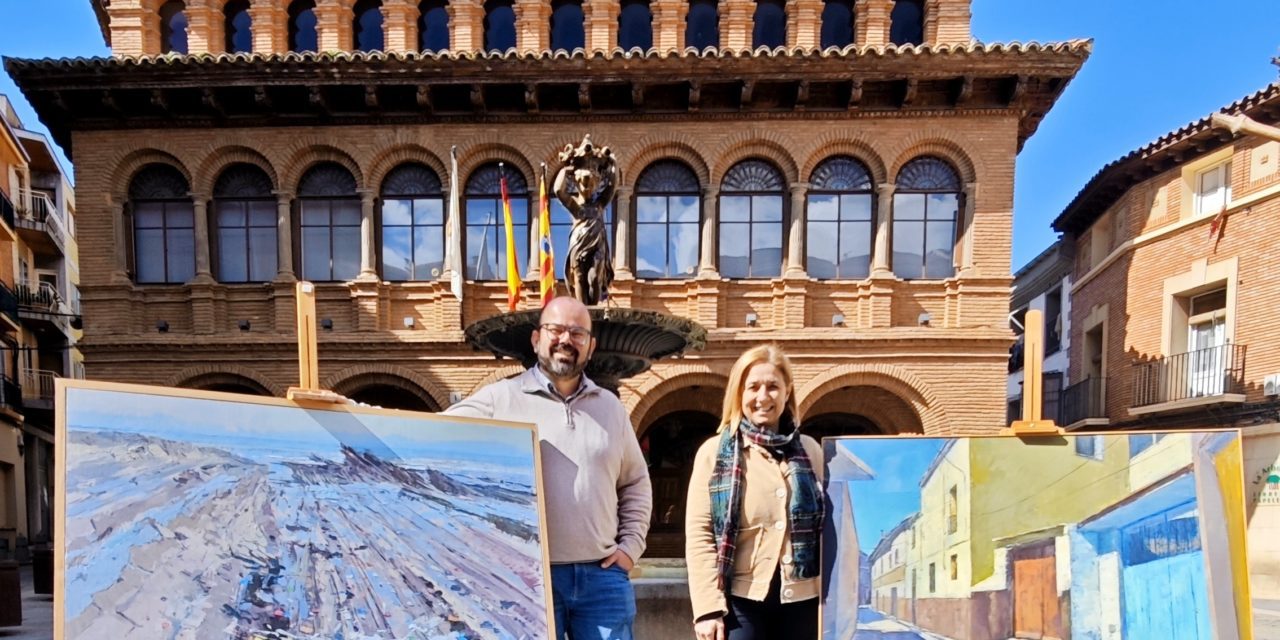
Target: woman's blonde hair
x: 731, y: 415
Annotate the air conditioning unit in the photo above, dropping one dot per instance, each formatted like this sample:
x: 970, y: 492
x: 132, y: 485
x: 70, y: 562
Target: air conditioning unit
x: 1271, y: 385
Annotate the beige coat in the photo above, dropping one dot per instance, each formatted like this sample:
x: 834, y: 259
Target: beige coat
x: 764, y: 536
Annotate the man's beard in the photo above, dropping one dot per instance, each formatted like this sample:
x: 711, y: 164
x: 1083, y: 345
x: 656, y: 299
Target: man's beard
x: 558, y: 368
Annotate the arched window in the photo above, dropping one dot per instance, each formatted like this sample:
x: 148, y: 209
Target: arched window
x: 926, y: 204
x: 164, y: 237
x: 173, y: 27
x: 839, y: 220
x: 244, y: 214
x: 668, y: 216
x: 769, y: 24
x: 302, y: 26
x: 837, y: 23
x: 499, y: 25
x: 702, y: 25
x: 412, y: 224
x: 330, y: 223
x: 906, y: 22
x: 237, y: 25
x: 366, y: 28
x: 635, y: 25
x: 433, y: 25
x: 567, y: 30
x: 486, y: 235
x: 751, y: 220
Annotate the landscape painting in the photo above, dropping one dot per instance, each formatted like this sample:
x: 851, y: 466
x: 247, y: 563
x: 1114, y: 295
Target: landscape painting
x: 205, y: 515
x: 1098, y: 537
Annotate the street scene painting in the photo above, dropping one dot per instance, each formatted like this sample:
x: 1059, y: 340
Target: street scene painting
x: 1098, y: 537
x: 204, y: 515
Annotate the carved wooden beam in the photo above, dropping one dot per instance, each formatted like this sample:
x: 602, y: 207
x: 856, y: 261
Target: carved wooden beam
x: 909, y: 94
x: 1019, y: 89
x: 855, y: 95
x: 211, y: 102
x: 802, y: 95
x: 695, y: 95
x: 424, y: 98
x: 584, y: 97
x: 531, y: 97
x: 964, y: 92
x: 109, y: 102
x: 159, y: 101
x: 477, y: 98
x: 637, y: 94
x: 261, y: 98
x: 371, y: 96
x: 748, y: 88
x: 316, y: 98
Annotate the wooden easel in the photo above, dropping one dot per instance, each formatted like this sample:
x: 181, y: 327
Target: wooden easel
x: 1031, y: 423
x: 308, y: 389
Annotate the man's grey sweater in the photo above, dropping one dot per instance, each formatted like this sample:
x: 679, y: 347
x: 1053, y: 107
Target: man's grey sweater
x: 595, y: 480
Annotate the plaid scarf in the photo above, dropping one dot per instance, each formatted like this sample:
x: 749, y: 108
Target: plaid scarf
x: 805, y: 509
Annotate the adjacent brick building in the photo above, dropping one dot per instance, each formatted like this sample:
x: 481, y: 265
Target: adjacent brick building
x: 836, y: 177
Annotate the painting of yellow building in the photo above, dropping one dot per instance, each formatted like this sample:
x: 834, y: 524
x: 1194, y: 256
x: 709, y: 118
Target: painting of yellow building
x: 1058, y: 537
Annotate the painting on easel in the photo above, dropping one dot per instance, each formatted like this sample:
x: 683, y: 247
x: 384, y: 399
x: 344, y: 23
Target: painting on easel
x: 1108, y: 536
x: 188, y: 514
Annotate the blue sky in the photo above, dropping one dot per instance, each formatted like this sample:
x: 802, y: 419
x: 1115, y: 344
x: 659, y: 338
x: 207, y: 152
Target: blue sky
x: 898, y: 465
x: 1156, y: 66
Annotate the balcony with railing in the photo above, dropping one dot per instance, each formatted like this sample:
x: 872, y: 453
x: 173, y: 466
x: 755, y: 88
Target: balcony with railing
x: 40, y: 303
x: 9, y: 307
x: 42, y: 226
x: 1082, y: 405
x: 1213, y: 375
x: 37, y: 388
x: 7, y: 212
x: 10, y: 394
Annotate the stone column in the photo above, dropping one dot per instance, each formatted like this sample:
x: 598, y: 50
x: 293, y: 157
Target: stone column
x: 200, y: 210
x: 269, y: 27
x: 602, y: 24
x: 796, y: 240
x: 466, y: 25
x: 965, y: 260
x: 669, y: 24
x: 120, y: 257
x: 400, y: 25
x: 871, y: 21
x: 804, y: 23
x: 710, y: 229
x: 735, y: 24
x: 533, y: 25
x: 622, y: 246
x: 881, y: 266
x: 284, y: 237
x: 368, y: 246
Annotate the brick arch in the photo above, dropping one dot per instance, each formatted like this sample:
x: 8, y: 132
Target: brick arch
x: 129, y: 164
x: 885, y: 409
x: 845, y: 143
x: 501, y: 373
x: 474, y: 156
x: 757, y: 144
x: 902, y: 383
x: 935, y: 142
x: 193, y: 377
x: 640, y: 400
x: 219, y: 159
x: 352, y: 379
x: 398, y: 154
x: 650, y: 150
x: 308, y: 156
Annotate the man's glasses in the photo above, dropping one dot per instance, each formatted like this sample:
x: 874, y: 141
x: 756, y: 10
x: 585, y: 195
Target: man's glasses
x: 577, y: 335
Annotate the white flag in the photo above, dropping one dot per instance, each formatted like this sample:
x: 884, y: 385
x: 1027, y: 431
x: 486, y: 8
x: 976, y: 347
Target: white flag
x: 456, y: 240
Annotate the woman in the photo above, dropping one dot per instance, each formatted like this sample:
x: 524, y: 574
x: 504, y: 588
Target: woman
x: 755, y: 512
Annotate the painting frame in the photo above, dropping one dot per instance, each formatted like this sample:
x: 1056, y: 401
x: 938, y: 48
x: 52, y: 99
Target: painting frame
x: 1234, y: 499
x: 61, y: 440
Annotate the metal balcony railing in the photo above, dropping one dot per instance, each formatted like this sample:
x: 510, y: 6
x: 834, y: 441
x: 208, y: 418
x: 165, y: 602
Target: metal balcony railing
x: 1081, y: 401
x: 8, y: 303
x: 37, y: 384
x: 40, y: 296
x: 44, y: 216
x: 10, y: 393
x: 6, y: 210
x: 1212, y: 371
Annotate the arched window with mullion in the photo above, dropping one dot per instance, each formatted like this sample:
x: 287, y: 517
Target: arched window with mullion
x: 412, y: 224
x: 433, y: 25
x: 302, y: 32
x: 366, y: 27
x: 839, y: 218
x: 499, y: 25
x: 244, y: 215
x: 702, y: 24
x: 751, y: 200
x: 486, y: 250
x: 237, y: 26
x: 635, y: 25
x: 769, y: 24
x: 173, y: 27
x: 668, y: 221
x: 164, y: 239
x: 926, y: 206
x: 568, y: 25
x: 329, y: 221
x: 837, y: 23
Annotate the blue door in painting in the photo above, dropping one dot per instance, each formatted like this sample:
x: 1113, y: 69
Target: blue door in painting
x: 1163, y: 577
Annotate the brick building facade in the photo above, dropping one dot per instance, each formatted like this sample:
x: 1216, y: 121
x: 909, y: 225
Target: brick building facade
x: 871, y: 180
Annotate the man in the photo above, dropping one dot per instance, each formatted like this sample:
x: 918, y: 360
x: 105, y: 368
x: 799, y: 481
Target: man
x: 594, y: 477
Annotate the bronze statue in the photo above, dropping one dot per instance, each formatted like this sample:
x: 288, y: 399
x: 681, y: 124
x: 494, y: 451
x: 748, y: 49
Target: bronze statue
x: 585, y: 184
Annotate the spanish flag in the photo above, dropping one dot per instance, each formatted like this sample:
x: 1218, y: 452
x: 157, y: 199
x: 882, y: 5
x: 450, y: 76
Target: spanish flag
x: 546, y: 255
x: 513, y: 274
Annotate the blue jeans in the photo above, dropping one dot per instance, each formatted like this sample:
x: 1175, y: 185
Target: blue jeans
x: 592, y: 603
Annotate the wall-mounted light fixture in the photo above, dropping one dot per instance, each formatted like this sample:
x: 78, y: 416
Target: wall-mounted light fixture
x: 837, y: 320
x: 408, y: 322
x: 244, y: 325
x: 162, y: 326
x: 924, y: 319
x: 326, y: 324
x: 752, y: 319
